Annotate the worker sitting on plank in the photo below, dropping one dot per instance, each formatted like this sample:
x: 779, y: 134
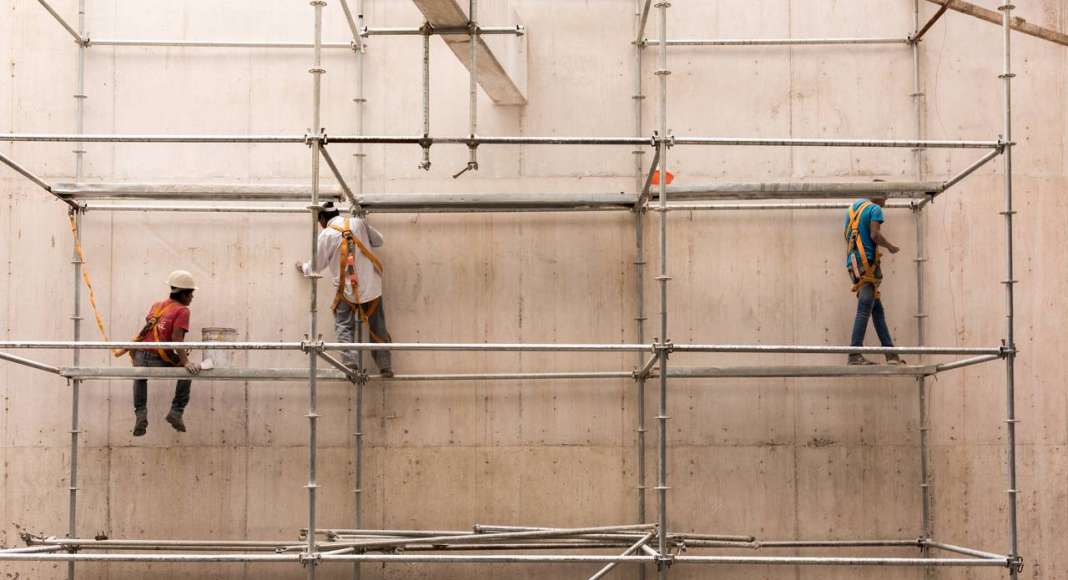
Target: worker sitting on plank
x: 345, y: 244
x: 864, y: 236
x: 167, y: 321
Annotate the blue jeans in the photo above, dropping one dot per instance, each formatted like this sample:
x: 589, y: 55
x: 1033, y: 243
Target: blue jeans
x: 870, y: 307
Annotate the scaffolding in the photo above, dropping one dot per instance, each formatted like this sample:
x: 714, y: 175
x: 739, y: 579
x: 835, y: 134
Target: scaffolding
x: 644, y: 545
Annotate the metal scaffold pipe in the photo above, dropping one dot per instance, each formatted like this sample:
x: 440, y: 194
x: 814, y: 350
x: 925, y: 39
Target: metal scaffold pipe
x: 505, y: 140
x: 784, y: 41
x: 921, y: 259
x: 641, y: 13
x: 662, y: 73
x: 517, y: 30
x: 1010, y: 306
x: 145, y: 43
x: 317, y: 72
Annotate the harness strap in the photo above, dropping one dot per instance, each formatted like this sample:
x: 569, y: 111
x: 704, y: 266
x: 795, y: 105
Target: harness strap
x: 347, y: 264
x: 870, y: 273
x: 151, y: 325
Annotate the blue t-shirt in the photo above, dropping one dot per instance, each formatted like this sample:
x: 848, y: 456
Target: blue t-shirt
x: 870, y: 214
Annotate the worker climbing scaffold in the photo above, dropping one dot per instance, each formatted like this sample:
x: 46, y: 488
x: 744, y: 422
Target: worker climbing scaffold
x: 345, y: 244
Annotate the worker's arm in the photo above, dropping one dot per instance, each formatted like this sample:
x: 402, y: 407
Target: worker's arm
x: 326, y: 246
x: 178, y: 335
x: 879, y: 239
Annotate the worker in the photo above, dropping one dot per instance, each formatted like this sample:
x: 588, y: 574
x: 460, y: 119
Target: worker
x: 344, y: 246
x: 167, y: 321
x: 864, y: 236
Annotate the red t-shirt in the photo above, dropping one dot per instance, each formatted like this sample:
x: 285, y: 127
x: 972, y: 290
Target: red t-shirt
x: 175, y: 315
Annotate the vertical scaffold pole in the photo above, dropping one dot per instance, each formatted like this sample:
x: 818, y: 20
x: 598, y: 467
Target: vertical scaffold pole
x: 918, y: 97
x: 472, y: 24
x: 313, y: 323
x: 357, y: 412
x: 1009, y: 282
x: 639, y: 270
x: 662, y: 143
x: 76, y: 318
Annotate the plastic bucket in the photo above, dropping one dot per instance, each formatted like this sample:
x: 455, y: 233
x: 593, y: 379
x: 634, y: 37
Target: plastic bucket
x: 219, y: 357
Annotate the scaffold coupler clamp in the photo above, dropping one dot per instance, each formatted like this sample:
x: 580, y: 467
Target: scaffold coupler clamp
x: 1006, y: 350
x: 667, y: 346
x: 310, y: 140
x: 1016, y: 564
x: 313, y: 559
x: 308, y: 346
x: 425, y: 142
x: 664, y: 561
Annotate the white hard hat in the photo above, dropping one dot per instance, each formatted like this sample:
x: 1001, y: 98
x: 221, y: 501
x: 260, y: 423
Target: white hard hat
x: 182, y: 280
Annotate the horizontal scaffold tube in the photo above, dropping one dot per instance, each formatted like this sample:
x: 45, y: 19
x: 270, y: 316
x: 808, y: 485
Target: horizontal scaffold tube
x: 144, y: 43
x: 796, y: 349
x: 778, y: 41
x: 789, y: 142
x: 837, y: 561
x: 296, y: 374
x: 498, y: 347
x: 517, y: 30
x: 810, y: 189
x: 771, y: 206
x: 329, y: 346
x: 468, y: 141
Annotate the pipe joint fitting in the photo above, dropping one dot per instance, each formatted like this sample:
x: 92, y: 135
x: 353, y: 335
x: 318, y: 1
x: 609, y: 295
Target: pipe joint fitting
x: 1016, y: 564
x: 664, y: 561
x: 309, y: 346
x: 305, y: 558
x: 426, y: 29
x: 666, y: 346
x: 520, y: 30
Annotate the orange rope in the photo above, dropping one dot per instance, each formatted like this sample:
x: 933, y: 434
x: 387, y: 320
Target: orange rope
x: 88, y: 281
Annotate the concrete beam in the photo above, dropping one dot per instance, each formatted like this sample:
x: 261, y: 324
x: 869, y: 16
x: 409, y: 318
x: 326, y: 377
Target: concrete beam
x: 502, y: 59
x: 1018, y: 24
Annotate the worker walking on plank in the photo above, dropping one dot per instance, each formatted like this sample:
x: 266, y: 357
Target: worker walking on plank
x: 167, y: 321
x: 345, y: 244
x: 864, y: 237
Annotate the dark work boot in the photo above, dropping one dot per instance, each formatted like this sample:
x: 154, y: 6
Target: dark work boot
x: 141, y: 425
x: 893, y: 359
x: 859, y: 360
x: 175, y: 419
x: 386, y: 373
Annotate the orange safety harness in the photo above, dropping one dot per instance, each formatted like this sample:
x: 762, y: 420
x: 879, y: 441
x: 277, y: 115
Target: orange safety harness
x: 347, y: 277
x: 862, y: 272
x: 152, y: 326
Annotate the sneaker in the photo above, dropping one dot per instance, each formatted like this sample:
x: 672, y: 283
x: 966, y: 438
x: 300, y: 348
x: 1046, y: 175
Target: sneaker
x: 175, y: 419
x: 893, y: 359
x: 859, y: 360
x: 386, y: 373
x: 141, y: 426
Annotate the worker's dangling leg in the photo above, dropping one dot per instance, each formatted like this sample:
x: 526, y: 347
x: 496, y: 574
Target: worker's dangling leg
x: 178, y: 404
x: 376, y: 324
x: 865, y: 304
x: 140, y: 398
x: 345, y: 329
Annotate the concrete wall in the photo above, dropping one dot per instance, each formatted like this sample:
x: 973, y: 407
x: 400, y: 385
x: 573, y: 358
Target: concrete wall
x: 775, y: 458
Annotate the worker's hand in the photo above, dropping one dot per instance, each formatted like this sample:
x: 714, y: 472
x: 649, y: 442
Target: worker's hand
x: 300, y: 267
x: 193, y: 368
x: 894, y: 249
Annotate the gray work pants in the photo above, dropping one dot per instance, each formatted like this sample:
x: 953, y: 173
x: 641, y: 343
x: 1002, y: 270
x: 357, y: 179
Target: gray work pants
x: 345, y: 326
